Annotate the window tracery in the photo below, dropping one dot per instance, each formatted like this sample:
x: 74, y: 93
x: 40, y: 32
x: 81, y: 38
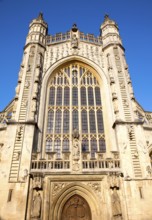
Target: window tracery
x: 74, y: 102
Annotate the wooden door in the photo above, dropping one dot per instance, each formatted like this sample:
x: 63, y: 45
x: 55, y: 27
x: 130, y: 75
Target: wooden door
x: 76, y: 208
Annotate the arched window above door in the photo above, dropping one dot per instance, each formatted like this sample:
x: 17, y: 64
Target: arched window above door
x: 74, y: 102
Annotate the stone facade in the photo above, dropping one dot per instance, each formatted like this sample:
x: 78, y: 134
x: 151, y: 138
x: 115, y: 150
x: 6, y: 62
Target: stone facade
x: 74, y: 142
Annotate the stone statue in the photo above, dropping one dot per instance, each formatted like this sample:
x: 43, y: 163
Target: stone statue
x: 116, y: 207
x: 25, y: 102
x: 28, y: 68
x: 76, y: 150
x: 27, y: 84
x: 131, y: 91
x: 20, y: 75
x: 114, y: 181
x: 114, y: 94
x: 130, y: 129
x: 37, y: 182
x: 109, y: 61
x: 149, y: 171
x: 34, y: 105
x: 19, y: 133
x: 75, y: 133
x: 17, y: 90
x: 17, y: 155
x: 35, y: 90
x: 36, y: 206
x: 116, y: 109
x: 14, y: 107
x: 37, y: 74
x: 122, y: 84
x: 25, y: 175
x: 126, y: 103
x: 74, y: 42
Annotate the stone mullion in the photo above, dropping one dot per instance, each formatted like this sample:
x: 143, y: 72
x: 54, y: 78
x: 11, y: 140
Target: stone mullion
x: 95, y: 112
x: 54, y: 118
x: 87, y: 110
x: 70, y: 108
x: 62, y: 112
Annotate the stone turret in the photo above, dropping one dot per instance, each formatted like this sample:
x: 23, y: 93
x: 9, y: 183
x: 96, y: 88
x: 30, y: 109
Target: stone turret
x: 110, y: 32
x: 37, y: 31
x: 28, y: 88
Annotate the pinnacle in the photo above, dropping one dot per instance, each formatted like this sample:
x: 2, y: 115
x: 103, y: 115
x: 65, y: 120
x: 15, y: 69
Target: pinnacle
x: 40, y: 16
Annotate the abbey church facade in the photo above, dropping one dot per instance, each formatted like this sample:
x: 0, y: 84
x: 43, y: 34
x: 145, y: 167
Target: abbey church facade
x: 74, y: 142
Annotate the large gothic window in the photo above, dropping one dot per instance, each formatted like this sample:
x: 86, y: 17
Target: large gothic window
x: 74, y: 102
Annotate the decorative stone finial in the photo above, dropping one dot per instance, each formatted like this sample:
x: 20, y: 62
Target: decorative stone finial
x: 106, y: 17
x: 74, y: 28
x: 40, y: 16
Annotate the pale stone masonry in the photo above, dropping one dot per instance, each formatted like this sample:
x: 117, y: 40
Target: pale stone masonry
x: 74, y: 142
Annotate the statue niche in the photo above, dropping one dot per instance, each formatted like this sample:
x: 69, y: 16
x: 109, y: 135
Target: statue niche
x: 116, y: 207
x: 36, y: 206
x: 74, y: 42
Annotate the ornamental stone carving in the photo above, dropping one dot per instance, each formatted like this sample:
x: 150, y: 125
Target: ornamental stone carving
x: 37, y: 182
x: 33, y: 109
x: 37, y: 74
x: 114, y: 181
x: 96, y: 187
x: 17, y: 156
x: 149, y: 171
x: 74, y: 42
x: 36, y: 205
x: 114, y: 94
x: 76, y: 166
x: 109, y: 61
x: 27, y: 84
x: 19, y: 133
x: 116, y: 109
x: 122, y: 84
x: 130, y: 130
x: 75, y: 134
x: 126, y: 103
x: 76, y: 150
x: 25, y: 102
x: 35, y: 90
x: 116, y: 206
x: 17, y: 90
x: 57, y: 187
x: 14, y: 108
x: 33, y: 105
x: 20, y: 75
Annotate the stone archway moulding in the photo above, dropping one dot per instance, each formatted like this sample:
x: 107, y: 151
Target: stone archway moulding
x: 71, y: 190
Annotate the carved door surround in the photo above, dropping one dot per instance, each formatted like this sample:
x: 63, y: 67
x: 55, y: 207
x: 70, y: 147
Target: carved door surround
x: 76, y: 208
x: 69, y: 191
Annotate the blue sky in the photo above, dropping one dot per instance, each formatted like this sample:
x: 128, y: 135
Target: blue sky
x: 133, y: 17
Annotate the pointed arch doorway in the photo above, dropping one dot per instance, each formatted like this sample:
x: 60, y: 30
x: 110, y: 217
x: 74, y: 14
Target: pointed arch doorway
x: 76, y: 208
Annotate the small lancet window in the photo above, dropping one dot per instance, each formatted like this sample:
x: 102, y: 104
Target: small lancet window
x: 10, y: 192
